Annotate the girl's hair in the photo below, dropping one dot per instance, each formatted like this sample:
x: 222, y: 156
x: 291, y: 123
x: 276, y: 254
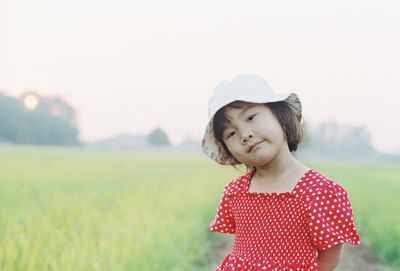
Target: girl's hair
x: 284, y: 113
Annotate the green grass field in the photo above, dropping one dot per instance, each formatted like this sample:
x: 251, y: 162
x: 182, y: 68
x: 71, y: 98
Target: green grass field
x: 66, y: 209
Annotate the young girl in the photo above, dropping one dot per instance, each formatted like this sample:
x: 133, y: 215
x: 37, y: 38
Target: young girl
x: 285, y: 216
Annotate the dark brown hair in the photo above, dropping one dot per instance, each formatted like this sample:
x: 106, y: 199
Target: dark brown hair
x: 284, y: 113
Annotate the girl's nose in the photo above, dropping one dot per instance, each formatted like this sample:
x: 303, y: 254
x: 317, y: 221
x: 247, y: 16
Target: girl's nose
x: 245, y: 137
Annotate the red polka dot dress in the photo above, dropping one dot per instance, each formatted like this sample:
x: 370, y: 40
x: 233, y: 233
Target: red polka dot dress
x: 283, y: 231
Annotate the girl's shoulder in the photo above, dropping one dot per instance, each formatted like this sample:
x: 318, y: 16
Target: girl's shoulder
x: 237, y: 185
x: 316, y: 183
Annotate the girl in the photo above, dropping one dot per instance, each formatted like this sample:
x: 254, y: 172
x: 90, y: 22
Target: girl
x: 285, y: 216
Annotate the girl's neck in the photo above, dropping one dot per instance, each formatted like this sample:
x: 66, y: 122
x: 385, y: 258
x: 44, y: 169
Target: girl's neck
x: 283, y: 165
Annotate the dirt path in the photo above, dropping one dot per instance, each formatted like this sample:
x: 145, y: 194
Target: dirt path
x: 355, y: 258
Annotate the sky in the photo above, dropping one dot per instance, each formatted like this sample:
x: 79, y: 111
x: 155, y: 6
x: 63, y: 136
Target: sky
x: 133, y: 66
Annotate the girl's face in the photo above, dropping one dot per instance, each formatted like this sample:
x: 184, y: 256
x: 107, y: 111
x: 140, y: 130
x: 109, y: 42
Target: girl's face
x: 254, y: 136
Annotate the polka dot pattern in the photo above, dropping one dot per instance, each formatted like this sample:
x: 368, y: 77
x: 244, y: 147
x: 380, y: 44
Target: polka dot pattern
x: 283, y: 231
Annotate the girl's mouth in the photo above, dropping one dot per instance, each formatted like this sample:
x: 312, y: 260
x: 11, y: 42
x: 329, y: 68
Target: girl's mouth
x: 251, y: 148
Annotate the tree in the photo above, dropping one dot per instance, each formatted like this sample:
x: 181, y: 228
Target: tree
x: 158, y: 138
x: 50, y: 122
x: 11, y: 118
x: 331, y: 137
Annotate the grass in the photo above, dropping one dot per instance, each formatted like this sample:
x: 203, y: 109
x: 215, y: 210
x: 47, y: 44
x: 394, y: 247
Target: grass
x: 68, y: 209
x: 73, y: 210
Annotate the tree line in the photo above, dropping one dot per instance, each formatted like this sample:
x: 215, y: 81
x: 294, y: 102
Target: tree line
x: 51, y: 122
x: 39, y: 120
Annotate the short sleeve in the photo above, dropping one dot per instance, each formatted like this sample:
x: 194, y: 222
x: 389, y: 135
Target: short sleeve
x: 224, y: 221
x: 330, y: 217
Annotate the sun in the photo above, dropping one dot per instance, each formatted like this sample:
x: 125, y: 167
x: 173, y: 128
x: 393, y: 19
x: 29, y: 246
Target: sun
x: 30, y: 102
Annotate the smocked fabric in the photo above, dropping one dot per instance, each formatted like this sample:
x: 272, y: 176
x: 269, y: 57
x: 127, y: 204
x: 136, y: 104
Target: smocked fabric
x: 283, y: 231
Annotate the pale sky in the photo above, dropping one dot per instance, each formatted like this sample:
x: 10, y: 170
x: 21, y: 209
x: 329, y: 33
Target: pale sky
x: 132, y: 66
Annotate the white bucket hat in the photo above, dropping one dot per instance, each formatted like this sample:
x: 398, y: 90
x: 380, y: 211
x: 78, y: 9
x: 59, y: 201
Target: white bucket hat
x: 247, y: 88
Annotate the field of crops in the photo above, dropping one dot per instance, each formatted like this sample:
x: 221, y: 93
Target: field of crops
x: 68, y: 209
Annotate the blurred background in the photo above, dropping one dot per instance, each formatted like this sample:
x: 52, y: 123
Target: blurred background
x: 103, y: 105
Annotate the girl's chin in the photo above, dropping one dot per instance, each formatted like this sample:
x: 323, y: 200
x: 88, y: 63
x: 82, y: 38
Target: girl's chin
x: 259, y: 161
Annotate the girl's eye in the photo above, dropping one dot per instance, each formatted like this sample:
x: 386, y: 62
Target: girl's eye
x: 252, y: 117
x: 230, y: 134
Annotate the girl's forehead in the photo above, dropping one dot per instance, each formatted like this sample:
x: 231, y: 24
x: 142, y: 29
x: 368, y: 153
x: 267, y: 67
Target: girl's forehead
x: 239, y: 107
x: 240, y: 104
